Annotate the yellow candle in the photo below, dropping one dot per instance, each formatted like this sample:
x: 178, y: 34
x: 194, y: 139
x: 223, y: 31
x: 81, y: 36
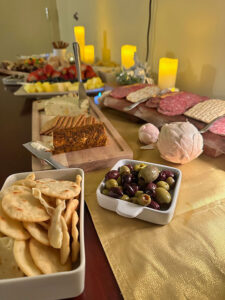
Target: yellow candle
x: 79, y: 34
x: 167, y: 72
x: 127, y: 55
x: 89, y: 54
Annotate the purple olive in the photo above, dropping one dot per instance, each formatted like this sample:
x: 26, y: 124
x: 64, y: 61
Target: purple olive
x: 141, y: 183
x: 113, y: 174
x: 129, y: 190
x: 154, y: 205
x: 135, y: 187
x: 126, y: 178
x: 169, y: 174
x: 130, y: 167
x: 134, y: 176
x: 150, y: 189
x: 115, y: 192
x: 162, y: 176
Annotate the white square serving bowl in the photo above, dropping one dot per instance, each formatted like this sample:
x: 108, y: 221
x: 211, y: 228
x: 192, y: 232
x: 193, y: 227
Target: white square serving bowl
x: 131, y: 210
x: 57, y: 285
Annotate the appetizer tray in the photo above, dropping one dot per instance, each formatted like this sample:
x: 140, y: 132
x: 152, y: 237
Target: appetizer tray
x: 88, y: 159
x: 58, y: 285
x: 22, y: 92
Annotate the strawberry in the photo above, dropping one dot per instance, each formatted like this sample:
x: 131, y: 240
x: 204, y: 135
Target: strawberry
x: 40, y: 72
x: 72, y: 71
x: 43, y: 77
x: 32, y: 77
x: 56, y: 74
x: 48, y: 70
x: 65, y: 77
x: 64, y: 71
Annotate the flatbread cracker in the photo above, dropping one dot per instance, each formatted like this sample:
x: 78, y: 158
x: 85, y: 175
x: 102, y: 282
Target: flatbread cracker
x: 47, y: 258
x: 147, y: 92
x: 22, y: 206
x: 37, y: 194
x: 207, y: 111
x: 58, y: 189
x: 11, y: 227
x: 37, y: 232
x: 65, y: 249
x: 8, y: 265
x: 55, y: 233
x: 23, y: 258
x: 70, y: 208
x: 75, y: 244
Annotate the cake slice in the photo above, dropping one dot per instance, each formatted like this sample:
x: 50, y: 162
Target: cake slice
x: 86, y: 133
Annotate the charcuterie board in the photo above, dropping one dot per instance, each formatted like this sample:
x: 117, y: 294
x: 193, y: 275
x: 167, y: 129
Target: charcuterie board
x: 88, y: 159
x: 214, y: 144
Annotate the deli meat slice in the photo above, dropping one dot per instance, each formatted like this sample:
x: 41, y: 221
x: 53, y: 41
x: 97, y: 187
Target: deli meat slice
x: 153, y: 102
x: 123, y: 91
x: 218, y: 127
x: 177, y: 104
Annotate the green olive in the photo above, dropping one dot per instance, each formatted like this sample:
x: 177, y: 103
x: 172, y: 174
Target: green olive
x: 105, y: 192
x: 162, y: 195
x: 134, y: 200
x: 111, y: 183
x: 163, y: 184
x: 138, y: 193
x: 144, y: 199
x: 119, y: 180
x: 125, y: 197
x: 138, y: 167
x: 149, y: 173
x: 124, y: 169
x: 171, y: 181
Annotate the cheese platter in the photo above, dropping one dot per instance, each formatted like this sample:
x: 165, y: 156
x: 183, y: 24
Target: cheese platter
x: 87, y: 159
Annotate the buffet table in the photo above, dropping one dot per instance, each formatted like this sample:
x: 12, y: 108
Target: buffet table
x: 182, y: 260
x: 15, y: 124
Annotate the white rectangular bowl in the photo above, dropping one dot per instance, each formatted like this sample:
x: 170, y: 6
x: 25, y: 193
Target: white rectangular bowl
x: 57, y: 285
x: 131, y: 210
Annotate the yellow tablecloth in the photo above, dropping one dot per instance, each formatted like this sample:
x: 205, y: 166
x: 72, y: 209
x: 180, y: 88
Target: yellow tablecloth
x: 182, y: 260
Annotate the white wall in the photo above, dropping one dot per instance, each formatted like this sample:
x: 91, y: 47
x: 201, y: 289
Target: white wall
x: 191, y: 30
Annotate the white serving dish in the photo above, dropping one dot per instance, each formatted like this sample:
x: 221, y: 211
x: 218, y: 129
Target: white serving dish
x: 53, y: 286
x: 131, y: 210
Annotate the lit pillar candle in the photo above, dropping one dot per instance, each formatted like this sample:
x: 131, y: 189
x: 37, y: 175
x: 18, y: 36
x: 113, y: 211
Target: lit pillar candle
x: 127, y: 55
x: 167, y: 72
x: 106, y: 55
x: 89, y: 54
x: 79, y: 34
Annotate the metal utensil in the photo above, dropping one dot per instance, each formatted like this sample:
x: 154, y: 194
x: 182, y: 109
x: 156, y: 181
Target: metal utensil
x: 44, y: 155
x: 127, y: 108
x: 204, y: 129
x: 81, y: 90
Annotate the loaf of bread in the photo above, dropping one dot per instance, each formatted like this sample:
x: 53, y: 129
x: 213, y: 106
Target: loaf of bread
x: 86, y: 133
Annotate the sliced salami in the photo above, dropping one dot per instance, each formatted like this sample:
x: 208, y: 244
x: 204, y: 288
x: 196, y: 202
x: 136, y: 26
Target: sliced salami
x: 218, y: 127
x: 123, y: 91
x: 177, y: 104
x: 153, y: 102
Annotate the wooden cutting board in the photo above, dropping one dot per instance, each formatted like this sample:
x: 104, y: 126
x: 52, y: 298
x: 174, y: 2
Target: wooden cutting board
x: 88, y: 159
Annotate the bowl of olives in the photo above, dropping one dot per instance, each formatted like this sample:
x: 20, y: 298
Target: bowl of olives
x: 143, y: 190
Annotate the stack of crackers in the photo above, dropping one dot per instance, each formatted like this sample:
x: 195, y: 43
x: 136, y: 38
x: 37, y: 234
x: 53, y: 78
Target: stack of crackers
x: 207, y: 111
x: 38, y: 227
